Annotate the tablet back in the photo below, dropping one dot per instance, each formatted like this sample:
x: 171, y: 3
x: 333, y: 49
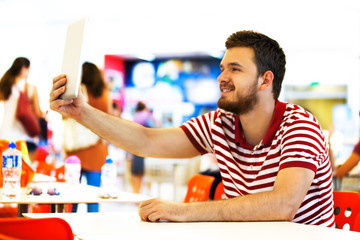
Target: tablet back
x: 72, y: 60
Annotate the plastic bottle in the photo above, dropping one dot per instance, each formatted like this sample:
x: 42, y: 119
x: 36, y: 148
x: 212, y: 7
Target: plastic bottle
x: 72, y: 170
x: 108, y: 178
x: 11, y: 170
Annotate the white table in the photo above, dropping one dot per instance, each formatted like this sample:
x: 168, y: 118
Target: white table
x: 38, y: 177
x: 69, y: 193
x: 127, y: 225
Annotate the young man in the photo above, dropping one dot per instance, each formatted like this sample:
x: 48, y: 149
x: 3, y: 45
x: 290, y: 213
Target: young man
x: 272, y: 155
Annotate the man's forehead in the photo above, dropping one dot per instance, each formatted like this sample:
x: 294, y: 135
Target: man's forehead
x: 238, y: 55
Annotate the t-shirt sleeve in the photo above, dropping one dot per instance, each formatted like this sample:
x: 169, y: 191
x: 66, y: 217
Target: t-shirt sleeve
x: 198, y: 131
x: 303, y: 145
x: 357, y: 148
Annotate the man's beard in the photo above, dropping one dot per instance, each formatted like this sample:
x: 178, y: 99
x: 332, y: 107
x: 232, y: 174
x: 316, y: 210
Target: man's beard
x: 244, y: 104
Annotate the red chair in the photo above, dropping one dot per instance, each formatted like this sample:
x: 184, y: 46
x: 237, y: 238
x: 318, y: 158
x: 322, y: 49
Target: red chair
x: 43, y: 165
x: 8, y: 211
x: 35, y: 229
x: 199, y: 188
x: 60, y: 173
x: 347, y: 209
x: 219, y: 192
x: 41, y: 154
x: 45, y: 168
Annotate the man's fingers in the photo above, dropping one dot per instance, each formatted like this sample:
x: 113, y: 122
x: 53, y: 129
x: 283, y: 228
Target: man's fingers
x: 61, y: 82
x: 147, y: 205
x: 55, y: 105
x: 146, y: 208
x: 57, y: 78
x: 140, y: 214
x: 147, y: 202
x: 154, y: 217
x: 56, y: 93
x: 146, y: 211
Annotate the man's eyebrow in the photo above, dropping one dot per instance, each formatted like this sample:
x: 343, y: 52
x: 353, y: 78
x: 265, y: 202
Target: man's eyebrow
x: 233, y: 64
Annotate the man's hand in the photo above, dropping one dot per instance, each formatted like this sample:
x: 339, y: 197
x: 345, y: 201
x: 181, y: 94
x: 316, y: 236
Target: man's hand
x: 67, y: 108
x: 154, y: 210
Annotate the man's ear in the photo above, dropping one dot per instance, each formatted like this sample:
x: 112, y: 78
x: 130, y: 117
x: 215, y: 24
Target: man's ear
x: 266, y: 80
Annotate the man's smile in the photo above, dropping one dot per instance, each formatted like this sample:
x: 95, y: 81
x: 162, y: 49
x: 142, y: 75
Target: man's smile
x: 224, y: 89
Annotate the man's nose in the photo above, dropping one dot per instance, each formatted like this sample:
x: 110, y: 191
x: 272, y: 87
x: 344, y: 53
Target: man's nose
x: 223, y: 77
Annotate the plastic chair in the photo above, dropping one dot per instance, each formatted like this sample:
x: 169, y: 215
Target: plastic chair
x: 199, y: 188
x: 346, y: 210
x: 60, y: 173
x: 39, y: 229
x: 219, y: 192
x: 45, y: 168
x: 42, y: 164
x: 8, y: 211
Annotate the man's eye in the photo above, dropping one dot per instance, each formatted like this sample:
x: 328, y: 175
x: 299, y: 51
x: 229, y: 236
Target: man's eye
x: 235, y: 69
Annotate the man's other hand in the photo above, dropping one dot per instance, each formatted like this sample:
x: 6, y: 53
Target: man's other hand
x: 154, y: 210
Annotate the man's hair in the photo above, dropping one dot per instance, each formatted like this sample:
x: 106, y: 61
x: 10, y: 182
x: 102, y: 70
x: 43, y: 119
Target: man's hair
x: 269, y: 56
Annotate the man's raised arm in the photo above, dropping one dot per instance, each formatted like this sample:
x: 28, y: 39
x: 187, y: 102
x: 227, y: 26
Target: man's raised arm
x: 130, y: 136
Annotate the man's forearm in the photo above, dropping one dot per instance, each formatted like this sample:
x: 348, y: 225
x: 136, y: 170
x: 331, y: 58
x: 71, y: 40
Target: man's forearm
x: 255, y: 207
x: 128, y: 135
x: 136, y: 139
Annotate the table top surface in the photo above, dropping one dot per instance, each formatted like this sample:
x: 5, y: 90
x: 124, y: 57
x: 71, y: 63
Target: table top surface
x: 38, y: 177
x: 127, y: 225
x: 69, y: 193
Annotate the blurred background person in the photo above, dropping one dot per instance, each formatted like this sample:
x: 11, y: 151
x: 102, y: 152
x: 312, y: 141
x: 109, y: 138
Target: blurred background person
x: 115, y: 109
x: 350, y: 163
x: 80, y: 141
x: 144, y: 117
x: 12, y: 83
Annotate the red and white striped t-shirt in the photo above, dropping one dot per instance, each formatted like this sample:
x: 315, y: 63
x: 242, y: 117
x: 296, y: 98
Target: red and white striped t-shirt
x: 294, y: 139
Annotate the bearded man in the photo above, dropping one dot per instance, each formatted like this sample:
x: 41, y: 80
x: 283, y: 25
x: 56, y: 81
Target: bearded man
x: 272, y: 155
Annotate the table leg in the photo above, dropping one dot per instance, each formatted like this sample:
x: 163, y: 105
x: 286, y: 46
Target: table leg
x: 22, y: 208
x: 53, y: 208
x: 60, y: 208
x: 174, y: 182
x: 337, y: 183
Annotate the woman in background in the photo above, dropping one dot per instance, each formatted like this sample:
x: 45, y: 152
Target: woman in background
x: 350, y: 163
x: 144, y: 117
x: 92, y: 157
x: 12, y: 83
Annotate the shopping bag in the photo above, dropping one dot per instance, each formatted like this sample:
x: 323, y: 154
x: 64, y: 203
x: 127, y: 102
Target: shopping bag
x: 27, y: 117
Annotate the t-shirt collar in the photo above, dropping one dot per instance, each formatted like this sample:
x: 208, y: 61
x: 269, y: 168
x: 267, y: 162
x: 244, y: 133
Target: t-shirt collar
x: 275, y: 123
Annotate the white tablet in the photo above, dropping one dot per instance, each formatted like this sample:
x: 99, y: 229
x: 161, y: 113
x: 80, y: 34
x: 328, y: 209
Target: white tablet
x: 72, y: 60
